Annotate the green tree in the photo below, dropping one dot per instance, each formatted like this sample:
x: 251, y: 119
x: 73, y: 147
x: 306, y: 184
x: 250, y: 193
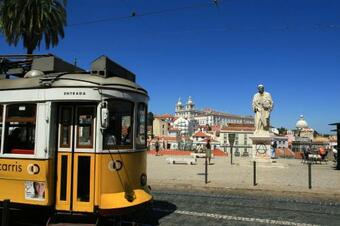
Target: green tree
x: 32, y: 21
x: 282, y: 130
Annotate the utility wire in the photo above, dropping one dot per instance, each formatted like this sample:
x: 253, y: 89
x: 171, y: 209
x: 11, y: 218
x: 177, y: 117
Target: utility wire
x: 133, y: 14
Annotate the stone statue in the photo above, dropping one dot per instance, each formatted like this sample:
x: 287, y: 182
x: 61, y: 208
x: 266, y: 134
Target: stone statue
x: 262, y: 106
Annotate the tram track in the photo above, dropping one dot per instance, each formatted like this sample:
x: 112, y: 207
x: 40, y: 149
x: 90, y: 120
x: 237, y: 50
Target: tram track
x: 247, y: 197
x: 263, y: 207
x: 246, y: 209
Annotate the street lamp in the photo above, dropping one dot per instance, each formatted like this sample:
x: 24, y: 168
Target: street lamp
x: 231, y: 138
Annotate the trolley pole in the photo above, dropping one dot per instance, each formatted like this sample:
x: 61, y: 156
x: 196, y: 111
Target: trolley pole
x: 5, y: 212
x: 310, y: 175
x: 231, y: 155
x: 254, y: 173
x: 231, y: 138
x: 206, y: 169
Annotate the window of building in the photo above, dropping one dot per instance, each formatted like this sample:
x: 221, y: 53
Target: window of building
x: 141, y: 125
x: 119, y: 133
x: 20, y: 128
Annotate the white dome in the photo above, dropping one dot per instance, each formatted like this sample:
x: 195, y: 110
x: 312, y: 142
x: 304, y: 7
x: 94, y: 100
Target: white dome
x: 301, y: 124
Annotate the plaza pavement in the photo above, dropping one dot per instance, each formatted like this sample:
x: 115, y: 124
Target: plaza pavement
x: 285, y: 176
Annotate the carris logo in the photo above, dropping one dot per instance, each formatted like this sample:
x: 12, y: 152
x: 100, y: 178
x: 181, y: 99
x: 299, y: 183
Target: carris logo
x: 33, y: 169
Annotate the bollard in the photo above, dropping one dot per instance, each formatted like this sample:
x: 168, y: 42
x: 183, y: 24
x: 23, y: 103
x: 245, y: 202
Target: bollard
x: 310, y: 175
x: 255, y: 174
x: 206, y: 169
x: 231, y: 155
x: 5, y: 212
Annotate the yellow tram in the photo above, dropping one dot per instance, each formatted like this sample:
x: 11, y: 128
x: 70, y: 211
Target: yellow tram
x: 72, y: 140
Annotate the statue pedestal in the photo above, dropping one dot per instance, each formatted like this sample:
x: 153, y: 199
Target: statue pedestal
x: 261, y: 146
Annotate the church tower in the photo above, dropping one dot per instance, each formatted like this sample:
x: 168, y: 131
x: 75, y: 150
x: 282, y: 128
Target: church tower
x: 190, y: 104
x: 179, y: 107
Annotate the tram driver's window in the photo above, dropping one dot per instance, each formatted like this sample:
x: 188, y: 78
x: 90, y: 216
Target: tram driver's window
x: 141, y: 126
x: 20, y: 128
x: 119, y: 133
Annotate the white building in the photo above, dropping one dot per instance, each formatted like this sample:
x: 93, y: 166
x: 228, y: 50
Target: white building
x: 185, y: 126
x: 209, y: 116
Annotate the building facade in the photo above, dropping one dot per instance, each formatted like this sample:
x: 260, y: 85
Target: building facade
x: 242, y: 144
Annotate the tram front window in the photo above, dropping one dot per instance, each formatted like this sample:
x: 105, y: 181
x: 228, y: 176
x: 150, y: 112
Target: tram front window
x: 20, y: 128
x: 119, y: 133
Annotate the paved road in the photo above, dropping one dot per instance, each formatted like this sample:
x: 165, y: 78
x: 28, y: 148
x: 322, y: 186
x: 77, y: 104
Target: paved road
x: 207, y: 208
x: 237, y: 207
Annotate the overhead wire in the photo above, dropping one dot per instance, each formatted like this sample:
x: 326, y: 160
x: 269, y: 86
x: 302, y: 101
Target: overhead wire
x: 212, y: 3
x: 133, y: 14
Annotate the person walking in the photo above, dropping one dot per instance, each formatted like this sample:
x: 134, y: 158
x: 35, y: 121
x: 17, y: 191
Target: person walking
x: 208, y: 151
x: 274, y: 146
x: 157, y: 146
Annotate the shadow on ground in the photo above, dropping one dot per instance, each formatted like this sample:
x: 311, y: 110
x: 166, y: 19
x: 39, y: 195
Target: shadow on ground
x: 152, y: 215
x: 149, y: 215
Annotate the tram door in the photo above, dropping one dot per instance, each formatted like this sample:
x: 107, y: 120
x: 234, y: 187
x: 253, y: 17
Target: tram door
x: 75, y: 163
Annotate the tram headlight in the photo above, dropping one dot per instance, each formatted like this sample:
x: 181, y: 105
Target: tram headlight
x: 143, y: 179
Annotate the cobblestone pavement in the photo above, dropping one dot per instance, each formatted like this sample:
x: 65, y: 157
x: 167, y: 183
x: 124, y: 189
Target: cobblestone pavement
x: 284, y: 176
x: 176, y: 207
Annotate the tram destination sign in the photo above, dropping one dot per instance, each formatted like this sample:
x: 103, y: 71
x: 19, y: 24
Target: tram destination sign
x: 74, y: 93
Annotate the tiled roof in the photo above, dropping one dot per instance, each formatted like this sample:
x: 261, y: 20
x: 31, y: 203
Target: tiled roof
x: 238, y: 127
x: 200, y: 134
x: 165, y: 138
x: 173, y: 129
x: 164, y: 116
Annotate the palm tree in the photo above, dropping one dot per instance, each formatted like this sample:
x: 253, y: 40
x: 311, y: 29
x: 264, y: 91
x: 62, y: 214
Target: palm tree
x: 33, y: 20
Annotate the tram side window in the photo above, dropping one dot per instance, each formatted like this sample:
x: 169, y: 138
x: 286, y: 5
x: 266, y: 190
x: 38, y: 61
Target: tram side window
x: 65, y: 123
x: 141, y: 125
x: 20, y: 128
x: 119, y: 133
x: 85, y: 127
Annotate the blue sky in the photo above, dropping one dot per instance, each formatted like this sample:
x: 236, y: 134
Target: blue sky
x: 217, y: 55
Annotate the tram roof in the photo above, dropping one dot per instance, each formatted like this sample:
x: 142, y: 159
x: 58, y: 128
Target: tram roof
x: 49, y: 71
x: 65, y: 80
